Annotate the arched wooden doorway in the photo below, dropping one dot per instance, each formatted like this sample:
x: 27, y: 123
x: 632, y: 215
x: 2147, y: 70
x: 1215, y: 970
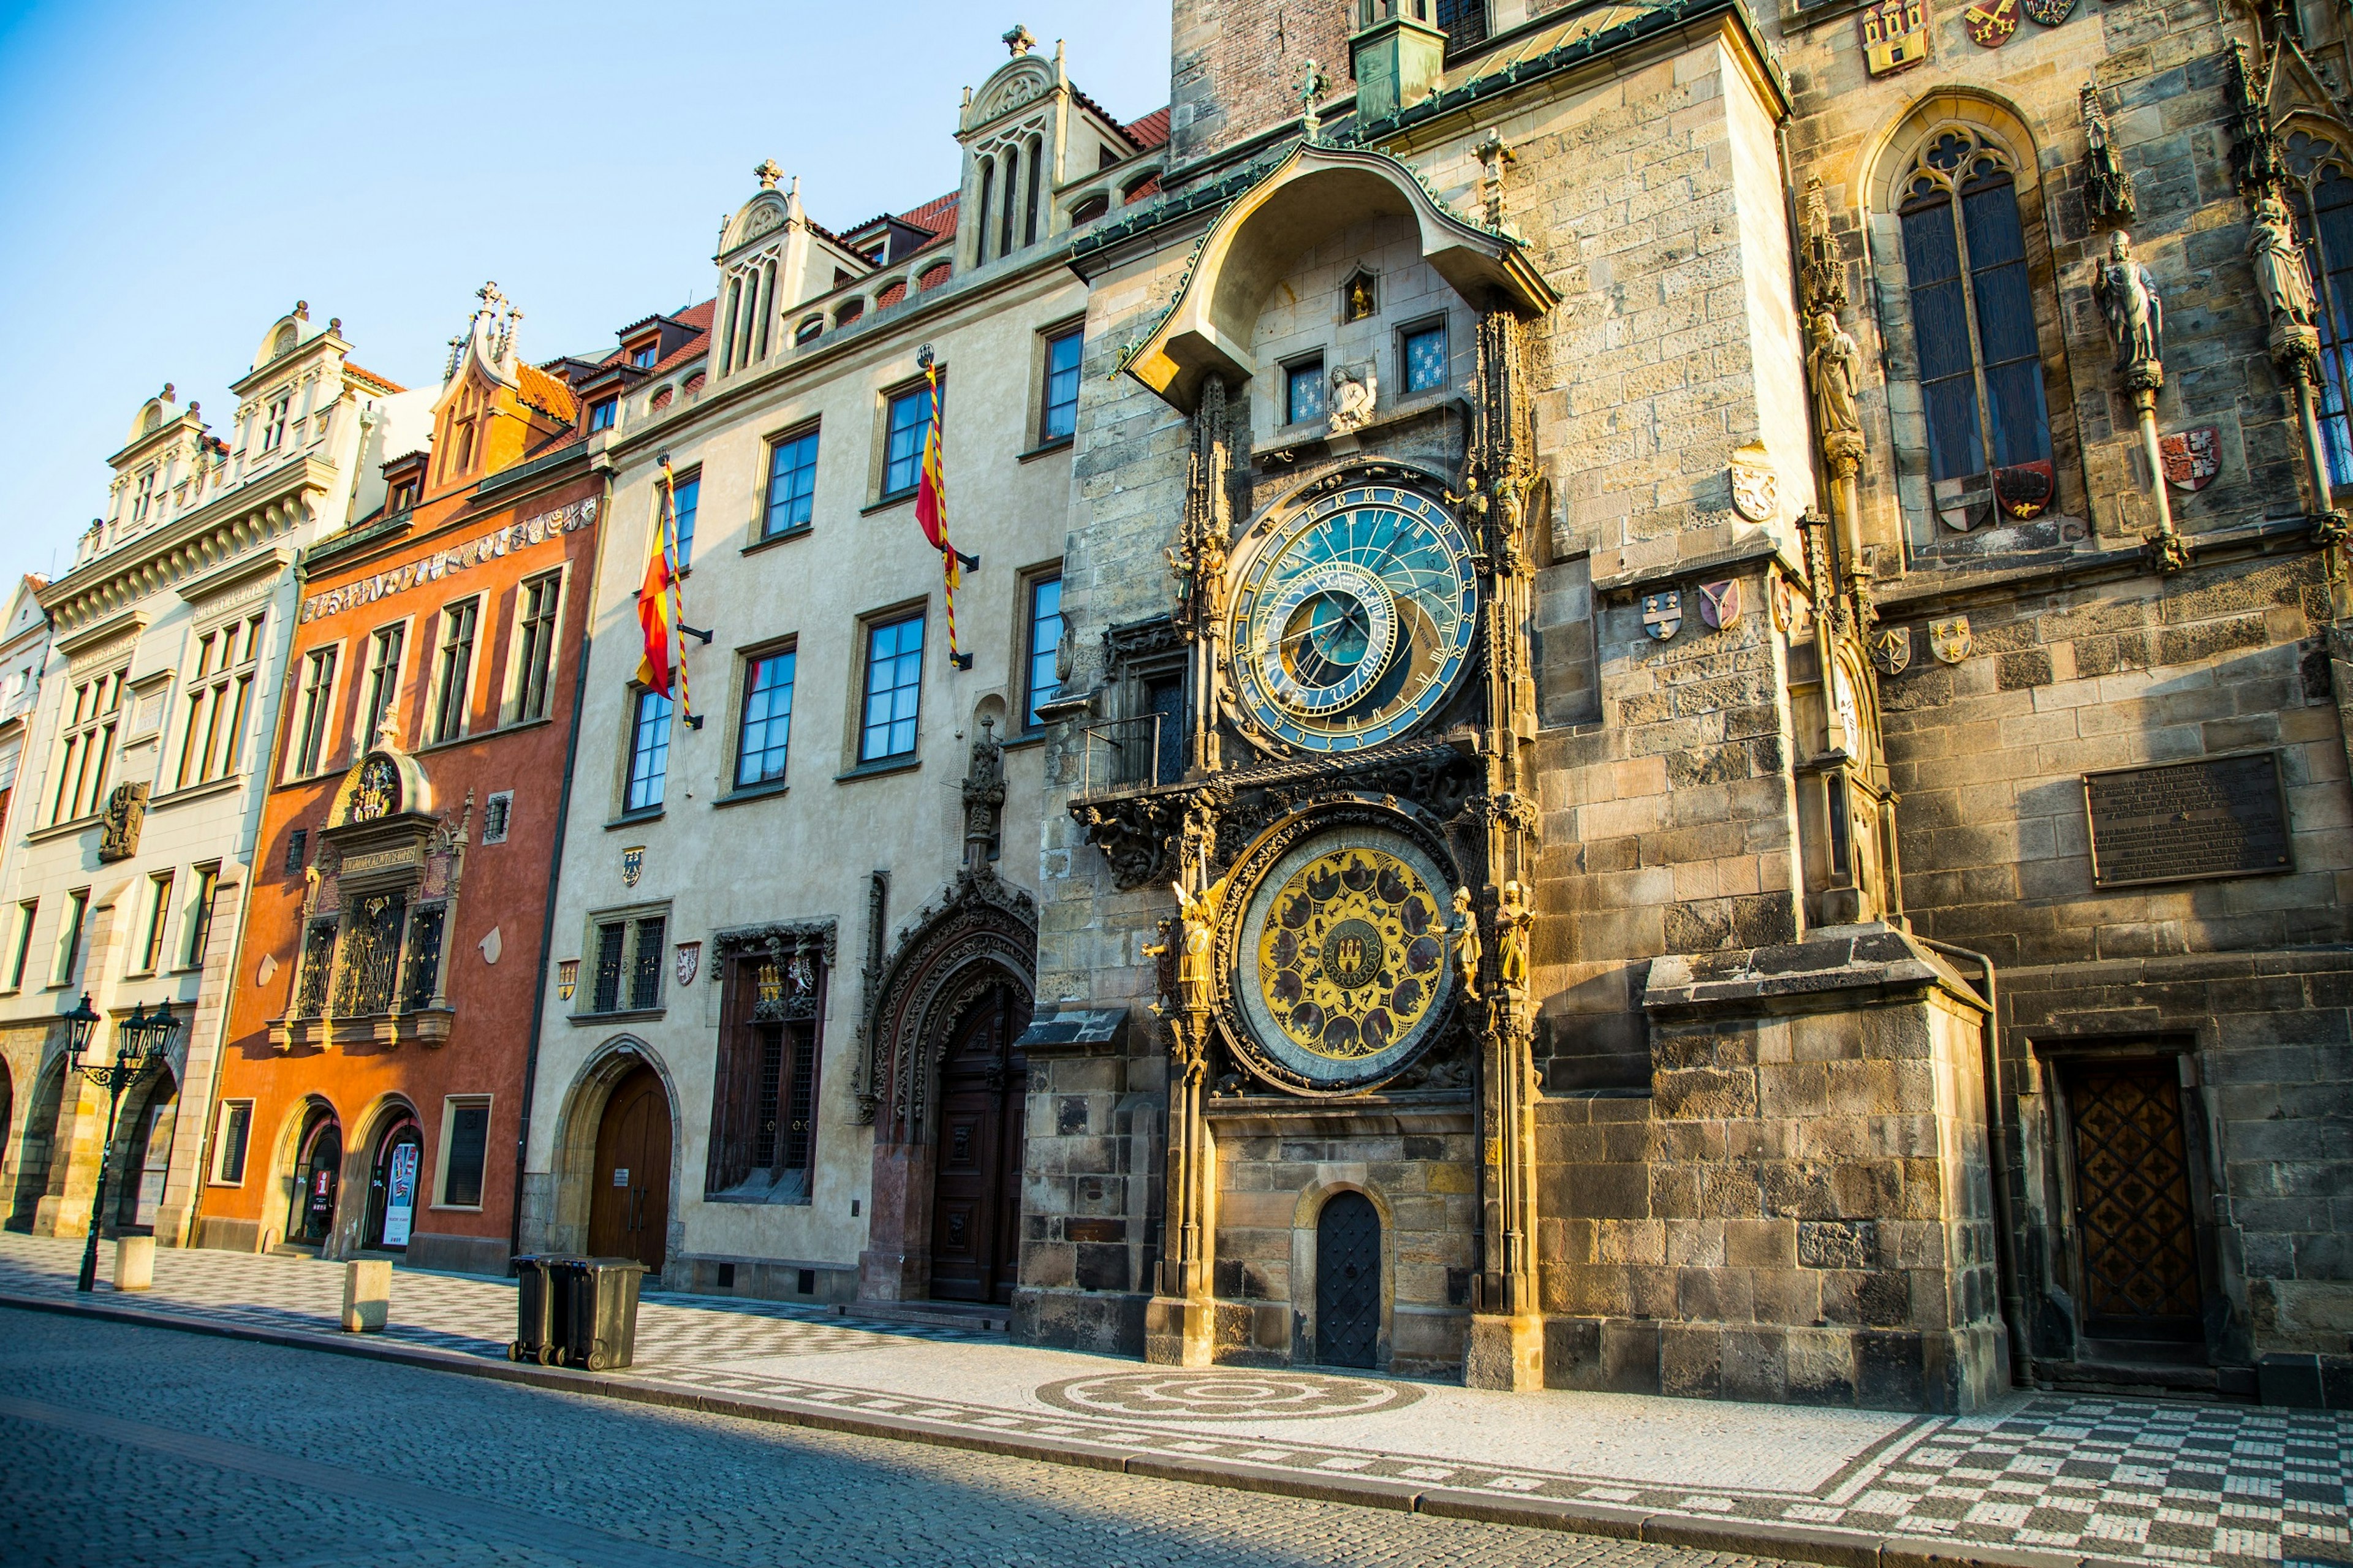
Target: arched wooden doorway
x: 393, y: 1179
x: 318, y: 1168
x: 629, y: 1202
x: 977, y: 1184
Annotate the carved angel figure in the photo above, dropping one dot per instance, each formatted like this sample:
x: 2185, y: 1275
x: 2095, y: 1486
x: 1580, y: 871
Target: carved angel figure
x: 2278, y: 261
x: 1834, y: 369
x: 1467, y: 946
x: 1512, y: 919
x: 1197, y: 916
x: 2126, y: 293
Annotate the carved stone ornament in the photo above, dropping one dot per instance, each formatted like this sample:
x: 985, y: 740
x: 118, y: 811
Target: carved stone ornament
x: 119, y: 823
x: 690, y: 962
x: 2107, y: 186
x: 1663, y: 615
x: 1891, y: 650
x: 2048, y: 13
x: 1949, y: 639
x: 982, y: 931
x: 2126, y: 292
x: 1894, y: 36
x: 1354, y: 389
x: 1719, y: 604
x: 2192, y: 457
x: 1756, y: 488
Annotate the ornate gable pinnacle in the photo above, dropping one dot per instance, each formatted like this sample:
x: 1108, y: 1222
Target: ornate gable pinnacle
x: 767, y: 173
x: 1018, y: 40
x: 2107, y: 187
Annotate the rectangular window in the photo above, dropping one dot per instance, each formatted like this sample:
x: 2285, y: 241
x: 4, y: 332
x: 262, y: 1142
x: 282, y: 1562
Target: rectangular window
x: 908, y: 428
x: 86, y: 753
x: 792, y: 485
x: 384, y: 682
x: 612, y: 937
x: 297, y: 843
x: 894, y: 675
x: 232, y: 1132
x: 1423, y: 349
x: 313, y: 712
x: 1059, y: 419
x: 25, y: 913
x: 273, y: 424
x: 69, y: 937
x: 688, y: 498
x: 1045, y: 645
x: 648, y: 753
x: 764, y: 1111
x: 767, y: 720
x: 1302, y: 390
x: 643, y: 356
x: 454, y: 670
x: 535, y: 648
x: 466, y: 1142
x: 600, y: 415
x: 646, y: 964
x: 158, y: 915
x: 200, y: 916
x: 497, y: 817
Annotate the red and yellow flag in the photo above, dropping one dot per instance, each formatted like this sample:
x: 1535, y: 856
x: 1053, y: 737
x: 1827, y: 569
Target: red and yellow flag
x: 932, y: 514
x: 664, y: 666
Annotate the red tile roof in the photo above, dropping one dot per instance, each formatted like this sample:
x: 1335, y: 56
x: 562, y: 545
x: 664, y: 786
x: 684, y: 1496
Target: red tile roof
x: 938, y: 215
x: 381, y: 383
x: 542, y: 390
x: 1150, y: 131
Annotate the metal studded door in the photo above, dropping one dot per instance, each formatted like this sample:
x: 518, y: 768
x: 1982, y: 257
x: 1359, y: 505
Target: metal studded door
x: 1347, y: 1281
x: 2132, y: 1216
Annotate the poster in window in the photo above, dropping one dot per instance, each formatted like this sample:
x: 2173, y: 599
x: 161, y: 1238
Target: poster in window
x: 400, y: 1195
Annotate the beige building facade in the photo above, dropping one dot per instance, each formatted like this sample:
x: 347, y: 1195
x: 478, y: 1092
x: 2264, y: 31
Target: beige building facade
x: 144, y: 756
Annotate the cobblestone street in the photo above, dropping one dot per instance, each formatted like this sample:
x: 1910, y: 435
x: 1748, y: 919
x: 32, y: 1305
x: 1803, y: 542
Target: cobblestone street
x: 141, y: 1446
x: 2068, y: 1479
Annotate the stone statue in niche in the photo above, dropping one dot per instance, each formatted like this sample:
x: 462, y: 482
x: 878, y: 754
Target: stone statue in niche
x: 1467, y: 946
x: 1197, y: 942
x: 2126, y: 293
x: 1512, y: 919
x: 1362, y: 301
x: 2278, y: 261
x: 125, y: 813
x: 1834, y: 368
x: 1354, y: 388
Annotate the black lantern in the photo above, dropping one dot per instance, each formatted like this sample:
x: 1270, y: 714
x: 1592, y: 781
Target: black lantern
x: 79, y: 1023
x: 141, y: 1042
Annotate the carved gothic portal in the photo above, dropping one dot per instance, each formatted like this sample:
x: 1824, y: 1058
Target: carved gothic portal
x: 965, y: 970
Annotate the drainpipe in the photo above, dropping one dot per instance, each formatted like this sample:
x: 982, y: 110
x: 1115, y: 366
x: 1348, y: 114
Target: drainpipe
x: 556, y: 866
x: 2005, y: 1247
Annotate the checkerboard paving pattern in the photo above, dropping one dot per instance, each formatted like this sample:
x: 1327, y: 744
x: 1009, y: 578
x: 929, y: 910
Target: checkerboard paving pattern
x: 2132, y: 1479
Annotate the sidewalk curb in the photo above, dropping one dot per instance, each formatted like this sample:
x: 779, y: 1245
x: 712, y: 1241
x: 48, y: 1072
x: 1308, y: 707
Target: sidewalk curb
x: 1761, y: 1538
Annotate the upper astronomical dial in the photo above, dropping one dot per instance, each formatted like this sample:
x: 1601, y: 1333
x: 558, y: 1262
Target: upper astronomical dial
x: 1352, y: 617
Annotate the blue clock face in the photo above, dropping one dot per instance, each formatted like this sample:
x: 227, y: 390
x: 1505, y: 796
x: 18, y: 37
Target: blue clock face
x: 1352, y: 617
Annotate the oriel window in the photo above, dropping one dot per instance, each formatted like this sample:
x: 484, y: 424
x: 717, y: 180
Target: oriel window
x: 1973, y: 312
x: 792, y: 485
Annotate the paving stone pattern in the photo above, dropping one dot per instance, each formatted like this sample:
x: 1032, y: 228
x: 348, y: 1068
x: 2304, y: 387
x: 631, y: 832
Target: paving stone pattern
x: 2104, y: 1477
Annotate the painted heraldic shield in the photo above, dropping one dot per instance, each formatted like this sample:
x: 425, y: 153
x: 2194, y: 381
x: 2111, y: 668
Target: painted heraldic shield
x: 1662, y: 614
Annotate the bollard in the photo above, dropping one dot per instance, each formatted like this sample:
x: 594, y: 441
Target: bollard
x: 367, y: 1294
x: 134, y: 1261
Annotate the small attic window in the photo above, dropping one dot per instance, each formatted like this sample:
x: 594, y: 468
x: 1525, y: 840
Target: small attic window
x: 643, y: 355
x: 809, y: 331
x: 284, y: 343
x: 152, y: 420
x: 1105, y: 158
x: 1087, y: 211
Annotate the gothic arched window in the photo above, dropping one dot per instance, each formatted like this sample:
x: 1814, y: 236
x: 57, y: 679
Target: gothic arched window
x: 2322, y: 198
x: 1972, y: 309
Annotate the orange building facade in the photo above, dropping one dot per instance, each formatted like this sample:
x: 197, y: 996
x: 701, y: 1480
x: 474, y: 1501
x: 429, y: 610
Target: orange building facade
x: 375, y: 1066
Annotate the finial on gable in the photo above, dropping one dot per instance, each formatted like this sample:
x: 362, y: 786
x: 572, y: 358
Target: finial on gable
x: 301, y: 309
x: 1018, y: 41
x: 767, y: 173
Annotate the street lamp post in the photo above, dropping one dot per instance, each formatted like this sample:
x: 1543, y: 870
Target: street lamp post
x: 141, y: 1041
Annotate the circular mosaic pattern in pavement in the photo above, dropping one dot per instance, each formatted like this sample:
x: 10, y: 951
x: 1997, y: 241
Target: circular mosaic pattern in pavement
x: 1226, y: 1396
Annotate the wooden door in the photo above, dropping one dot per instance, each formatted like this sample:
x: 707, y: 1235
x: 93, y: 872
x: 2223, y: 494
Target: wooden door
x: 977, y: 1193
x: 628, y: 1204
x: 2133, y: 1214
x: 1348, y: 1281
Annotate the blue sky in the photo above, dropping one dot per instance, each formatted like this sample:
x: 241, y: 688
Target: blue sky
x: 174, y: 177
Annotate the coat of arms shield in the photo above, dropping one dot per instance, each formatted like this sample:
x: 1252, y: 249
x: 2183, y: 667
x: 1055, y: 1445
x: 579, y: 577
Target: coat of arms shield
x: 1719, y: 604
x: 1663, y: 615
x: 1949, y: 640
x: 689, y: 960
x: 1755, y: 488
x: 633, y: 865
x: 2192, y: 457
x: 1991, y: 24
x: 1891, y: 650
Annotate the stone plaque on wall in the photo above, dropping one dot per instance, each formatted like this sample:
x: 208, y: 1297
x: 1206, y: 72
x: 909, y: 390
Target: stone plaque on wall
x: 2220, y: 817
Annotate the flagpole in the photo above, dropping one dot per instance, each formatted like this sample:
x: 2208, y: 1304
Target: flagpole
x: 932, y: 508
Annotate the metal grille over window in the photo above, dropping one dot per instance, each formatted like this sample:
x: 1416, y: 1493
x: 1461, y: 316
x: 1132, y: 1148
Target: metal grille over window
x: 610, y: 941
x: 318, y: 958
x: 371, y: 957
x: 646, y: 972
x: 424, y: 977
x: 763, y: 1112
